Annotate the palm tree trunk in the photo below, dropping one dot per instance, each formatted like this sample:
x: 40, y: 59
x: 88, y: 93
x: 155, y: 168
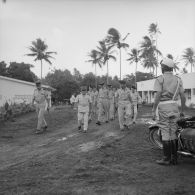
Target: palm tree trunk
x: 41, y: 69
x: 107, y: 73
x: 156, y: 57
x: 135, y: 74
x: 95, y: 77
x: 120, y: 63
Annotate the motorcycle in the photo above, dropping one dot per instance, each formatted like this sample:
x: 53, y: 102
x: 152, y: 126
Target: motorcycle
x: 185, y: 134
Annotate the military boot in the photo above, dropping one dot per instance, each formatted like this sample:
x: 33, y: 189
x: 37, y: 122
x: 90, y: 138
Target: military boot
x: 166, y: 160
x: 174, y: 148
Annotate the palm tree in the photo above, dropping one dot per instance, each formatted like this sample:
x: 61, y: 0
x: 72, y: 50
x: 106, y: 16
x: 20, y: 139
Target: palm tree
x: 105, y: 52
x: 147, y: 53
x: 95, y: 60
x: 114, y: 38
x: 39, y: 51
x: 154, y: 31
x: 189, y: 57
x: 134, y: 57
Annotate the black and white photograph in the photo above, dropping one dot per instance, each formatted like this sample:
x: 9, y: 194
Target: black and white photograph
x: 97, y: 97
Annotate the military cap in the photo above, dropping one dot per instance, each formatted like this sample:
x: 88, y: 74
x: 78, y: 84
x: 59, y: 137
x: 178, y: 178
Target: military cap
x: 109, y: 84
x: 167, y: 62
x: 134, y: 87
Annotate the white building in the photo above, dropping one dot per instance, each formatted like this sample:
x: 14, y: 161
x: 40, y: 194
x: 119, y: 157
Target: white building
x: 145, y: 89
x: 17, y: 91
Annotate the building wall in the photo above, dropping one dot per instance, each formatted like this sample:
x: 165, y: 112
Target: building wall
x: 14, y: 90
x: 145, y: 88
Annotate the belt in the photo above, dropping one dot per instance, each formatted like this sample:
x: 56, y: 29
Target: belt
x: 167, y: 102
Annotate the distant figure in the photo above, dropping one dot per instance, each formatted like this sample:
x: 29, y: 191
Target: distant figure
x: 83, y: 101
x: 41, y: 99
x: 91, y: 93
x: 135, y: 100
x: 124, y: 102
x: 111, y: 95
x: 72, y: 100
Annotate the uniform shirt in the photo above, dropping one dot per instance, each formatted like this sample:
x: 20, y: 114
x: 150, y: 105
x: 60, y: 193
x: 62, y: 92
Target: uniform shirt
x: 135, y: 97
x: 123, y: 94
x: 111, y: 95
x: 40, y: 96
x: 167, y: 84
x: 103, y: 93
x: 83, y: 102
x: 92, y: 95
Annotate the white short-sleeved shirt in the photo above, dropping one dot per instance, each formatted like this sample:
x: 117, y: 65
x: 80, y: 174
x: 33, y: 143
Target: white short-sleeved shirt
x: 40, y: 96
x: 123, y: 94
x: 83, y: 102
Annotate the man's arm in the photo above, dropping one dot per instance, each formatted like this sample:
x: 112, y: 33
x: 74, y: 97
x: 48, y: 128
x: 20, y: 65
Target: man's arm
x: 182, y: 97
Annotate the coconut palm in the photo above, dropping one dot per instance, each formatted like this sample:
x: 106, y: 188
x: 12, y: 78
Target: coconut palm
x: 189, y: 57
x: 154, y: 31
x: 147, y: 53
x: 39, y: 51
x: 105, y: 52
x: 134, y: 57
x: 95, y: 59
x: 114, y: 38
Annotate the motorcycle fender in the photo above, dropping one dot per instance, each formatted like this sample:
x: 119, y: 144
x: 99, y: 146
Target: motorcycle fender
x: 151, y: 127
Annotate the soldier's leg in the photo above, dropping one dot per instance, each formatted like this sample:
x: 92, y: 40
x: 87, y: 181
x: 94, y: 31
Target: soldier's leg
x: 85, y: 115
x: 40, y: 118
x: 106, y: 106
x: 80, y: 118
x: 135, y: 112
x: 128, y: 114
x: 111, y: 110
x: 100, y: 111
x: 121, y: 112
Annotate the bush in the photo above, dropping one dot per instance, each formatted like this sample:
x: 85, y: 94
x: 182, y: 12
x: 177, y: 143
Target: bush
x: 15, y: 110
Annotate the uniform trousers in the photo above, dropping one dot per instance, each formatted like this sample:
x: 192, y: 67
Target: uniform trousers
x: 104, y: 107
x: 83, y: 117
x: 40, y: 109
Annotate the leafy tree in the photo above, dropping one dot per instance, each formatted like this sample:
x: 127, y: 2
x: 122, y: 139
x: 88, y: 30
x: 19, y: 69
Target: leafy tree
x: 89, y: 79
x: 95, y: 59
x: 63, y: 82
x: 134, y: 57
x: 21, y: 71
x: 3, y: 68
x: 114, y: 38
x: 189, y: 57
x: 77, y: 75
x: 105, y: 52
x: 39, y: 51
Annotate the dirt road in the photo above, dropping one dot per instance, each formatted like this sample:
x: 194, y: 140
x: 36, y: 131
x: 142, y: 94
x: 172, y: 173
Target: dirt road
x: 102, y: 161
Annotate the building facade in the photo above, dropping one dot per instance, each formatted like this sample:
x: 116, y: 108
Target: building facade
x: 18, y: 91
x: 145, y: 89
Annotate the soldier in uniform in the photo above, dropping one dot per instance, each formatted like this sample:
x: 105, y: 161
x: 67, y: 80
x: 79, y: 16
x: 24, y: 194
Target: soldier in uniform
x: 135, y: 99
x: 103, y: 103
x: 83, y: 101
x: 124, y: 101
x: 41, y: 99
x: 111, y: 97
x: 168, y: 87
x: 92, y: 95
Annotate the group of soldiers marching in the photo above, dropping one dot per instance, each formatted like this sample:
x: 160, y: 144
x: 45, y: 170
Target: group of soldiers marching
x: 104, y: 103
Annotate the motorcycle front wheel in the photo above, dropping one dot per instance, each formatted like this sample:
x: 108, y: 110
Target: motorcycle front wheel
x: 155, y: 137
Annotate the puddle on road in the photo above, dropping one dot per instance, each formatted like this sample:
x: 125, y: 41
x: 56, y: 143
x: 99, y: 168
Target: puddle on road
x: 88, y: 146
x: 110, y: 134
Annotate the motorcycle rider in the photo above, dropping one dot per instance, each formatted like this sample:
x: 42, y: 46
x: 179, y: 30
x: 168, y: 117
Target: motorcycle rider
x: 168, y: 87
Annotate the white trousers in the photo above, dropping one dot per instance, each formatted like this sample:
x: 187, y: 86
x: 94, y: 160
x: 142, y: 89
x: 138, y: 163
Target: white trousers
x: 83, y: 117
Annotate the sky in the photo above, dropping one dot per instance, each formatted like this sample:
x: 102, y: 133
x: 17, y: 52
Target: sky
x: 73, y: 28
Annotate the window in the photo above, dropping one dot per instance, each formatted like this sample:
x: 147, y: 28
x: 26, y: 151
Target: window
x: 188, y: 94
